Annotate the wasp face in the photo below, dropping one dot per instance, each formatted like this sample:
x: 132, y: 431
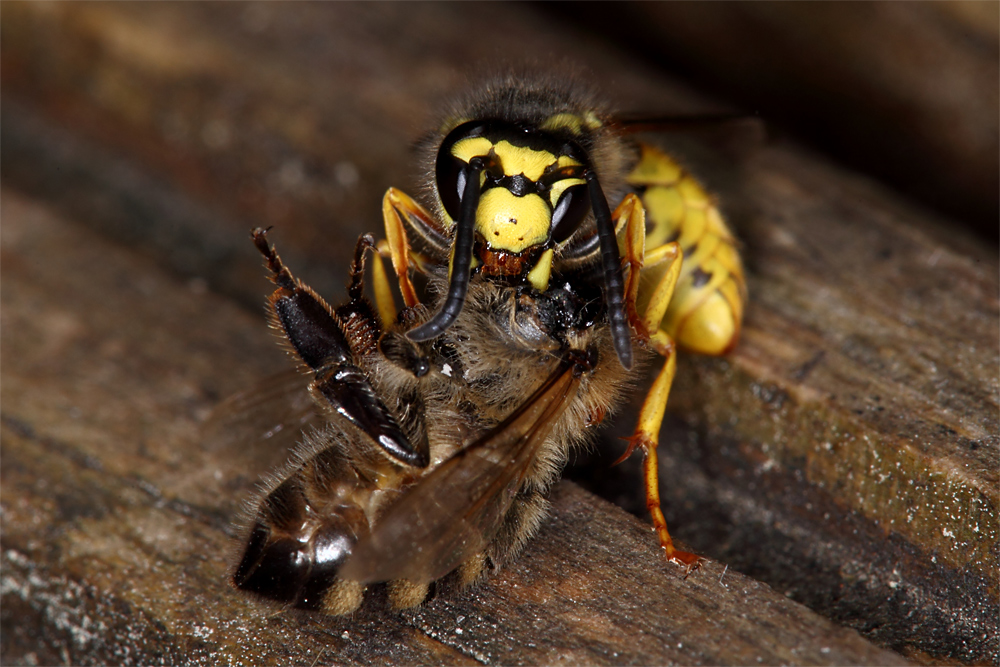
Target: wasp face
x: 532, y: 195
x: 513, y: 194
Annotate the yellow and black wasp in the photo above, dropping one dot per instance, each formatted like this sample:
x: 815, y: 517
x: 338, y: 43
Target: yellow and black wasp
x: 448, y: 420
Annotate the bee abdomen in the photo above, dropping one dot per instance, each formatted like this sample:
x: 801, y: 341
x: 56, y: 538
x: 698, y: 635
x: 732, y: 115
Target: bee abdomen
x: 292, y: 556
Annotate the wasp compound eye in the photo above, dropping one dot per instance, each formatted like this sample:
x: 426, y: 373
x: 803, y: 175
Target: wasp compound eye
x: 449, y: 169
x: 569, y: 212
x: 450, y: 176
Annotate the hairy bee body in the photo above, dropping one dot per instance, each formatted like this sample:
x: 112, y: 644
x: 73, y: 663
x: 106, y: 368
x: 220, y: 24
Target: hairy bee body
x: 445, y: 430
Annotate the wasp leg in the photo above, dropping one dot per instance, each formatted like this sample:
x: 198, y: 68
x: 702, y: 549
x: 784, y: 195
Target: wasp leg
x: 661, y: 266
x: 399, y: 246
x: 384, y: 301
x: 630, y: 220
x: 400, y: 211
x: 647, y: 436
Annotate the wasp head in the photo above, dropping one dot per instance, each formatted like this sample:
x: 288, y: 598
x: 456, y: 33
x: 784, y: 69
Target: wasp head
x: 513, y: 195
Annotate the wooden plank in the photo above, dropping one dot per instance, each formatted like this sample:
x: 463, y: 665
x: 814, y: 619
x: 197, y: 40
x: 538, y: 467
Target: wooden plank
x: 265, y: 117
x: 116, y: 516
x: 846, y: 453
x: 868, y: 369
x: 865, y: 82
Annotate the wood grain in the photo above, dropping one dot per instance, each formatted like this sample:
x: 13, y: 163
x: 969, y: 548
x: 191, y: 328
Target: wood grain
x: 117, y: 518
x: 845, y: 454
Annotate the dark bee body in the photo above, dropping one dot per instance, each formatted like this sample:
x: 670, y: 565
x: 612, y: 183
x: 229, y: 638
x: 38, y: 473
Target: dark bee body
x: 445, y: 431
x: 308, y: 524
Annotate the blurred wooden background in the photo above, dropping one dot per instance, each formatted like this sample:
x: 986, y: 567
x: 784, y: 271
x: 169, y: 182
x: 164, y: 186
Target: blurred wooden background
x: 846, y: 455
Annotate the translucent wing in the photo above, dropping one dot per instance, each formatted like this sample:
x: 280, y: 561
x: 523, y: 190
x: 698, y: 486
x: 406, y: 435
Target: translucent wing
x: 454, y: 511
x: 260, y: 425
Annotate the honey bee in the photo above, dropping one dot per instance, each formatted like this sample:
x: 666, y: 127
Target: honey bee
x: 447, y: 421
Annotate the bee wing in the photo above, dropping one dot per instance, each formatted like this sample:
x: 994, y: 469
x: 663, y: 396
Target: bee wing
x: 454, y: 511
x: 263, y: 423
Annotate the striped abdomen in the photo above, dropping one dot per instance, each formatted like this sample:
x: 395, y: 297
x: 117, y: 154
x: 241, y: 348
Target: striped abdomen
x: 707, y: 308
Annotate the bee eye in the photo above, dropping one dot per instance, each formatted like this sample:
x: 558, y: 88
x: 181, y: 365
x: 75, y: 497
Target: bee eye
x: 450, y: 176
x: 570, y: 211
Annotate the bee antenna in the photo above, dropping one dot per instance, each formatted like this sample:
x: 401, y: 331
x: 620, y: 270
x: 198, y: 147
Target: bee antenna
x: 614, y: 282
x: 461, y: 260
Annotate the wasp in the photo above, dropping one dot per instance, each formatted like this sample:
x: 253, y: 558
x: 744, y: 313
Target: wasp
x: 528, y: 306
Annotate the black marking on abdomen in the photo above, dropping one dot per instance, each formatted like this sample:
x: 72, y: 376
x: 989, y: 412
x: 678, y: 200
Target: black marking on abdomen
x: 700, y: 277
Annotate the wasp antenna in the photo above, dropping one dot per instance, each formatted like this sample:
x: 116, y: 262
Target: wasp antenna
x: 614, y: 283
x: 461, y: 261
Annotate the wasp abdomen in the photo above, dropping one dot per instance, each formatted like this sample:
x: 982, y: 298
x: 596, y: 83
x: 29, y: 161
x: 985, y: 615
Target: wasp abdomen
x: 706, y: 311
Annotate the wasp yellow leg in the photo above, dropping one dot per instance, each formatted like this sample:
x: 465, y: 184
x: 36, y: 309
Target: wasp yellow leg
x: 647, y: 436
x: 666, y: 262
x: 384, y: 301
x: 630, y: 221
x: 647, y: 431
x: 662, y: 266
x: 663, y: 262
x: 395, y: 204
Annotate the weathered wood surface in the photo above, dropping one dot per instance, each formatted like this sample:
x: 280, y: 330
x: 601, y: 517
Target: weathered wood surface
x: 909, y: 92
x: 846, y: 454
x: 116, y: 518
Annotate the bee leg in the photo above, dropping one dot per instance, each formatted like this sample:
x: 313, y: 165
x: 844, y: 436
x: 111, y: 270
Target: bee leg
x: 327, y: 341
x: 525, y: 515
x: 404, y: 593
x: 342, y: 598
x: 395, y: 206
x: 663, y: 265
x: 472, y: 570
x: 319, y: 336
